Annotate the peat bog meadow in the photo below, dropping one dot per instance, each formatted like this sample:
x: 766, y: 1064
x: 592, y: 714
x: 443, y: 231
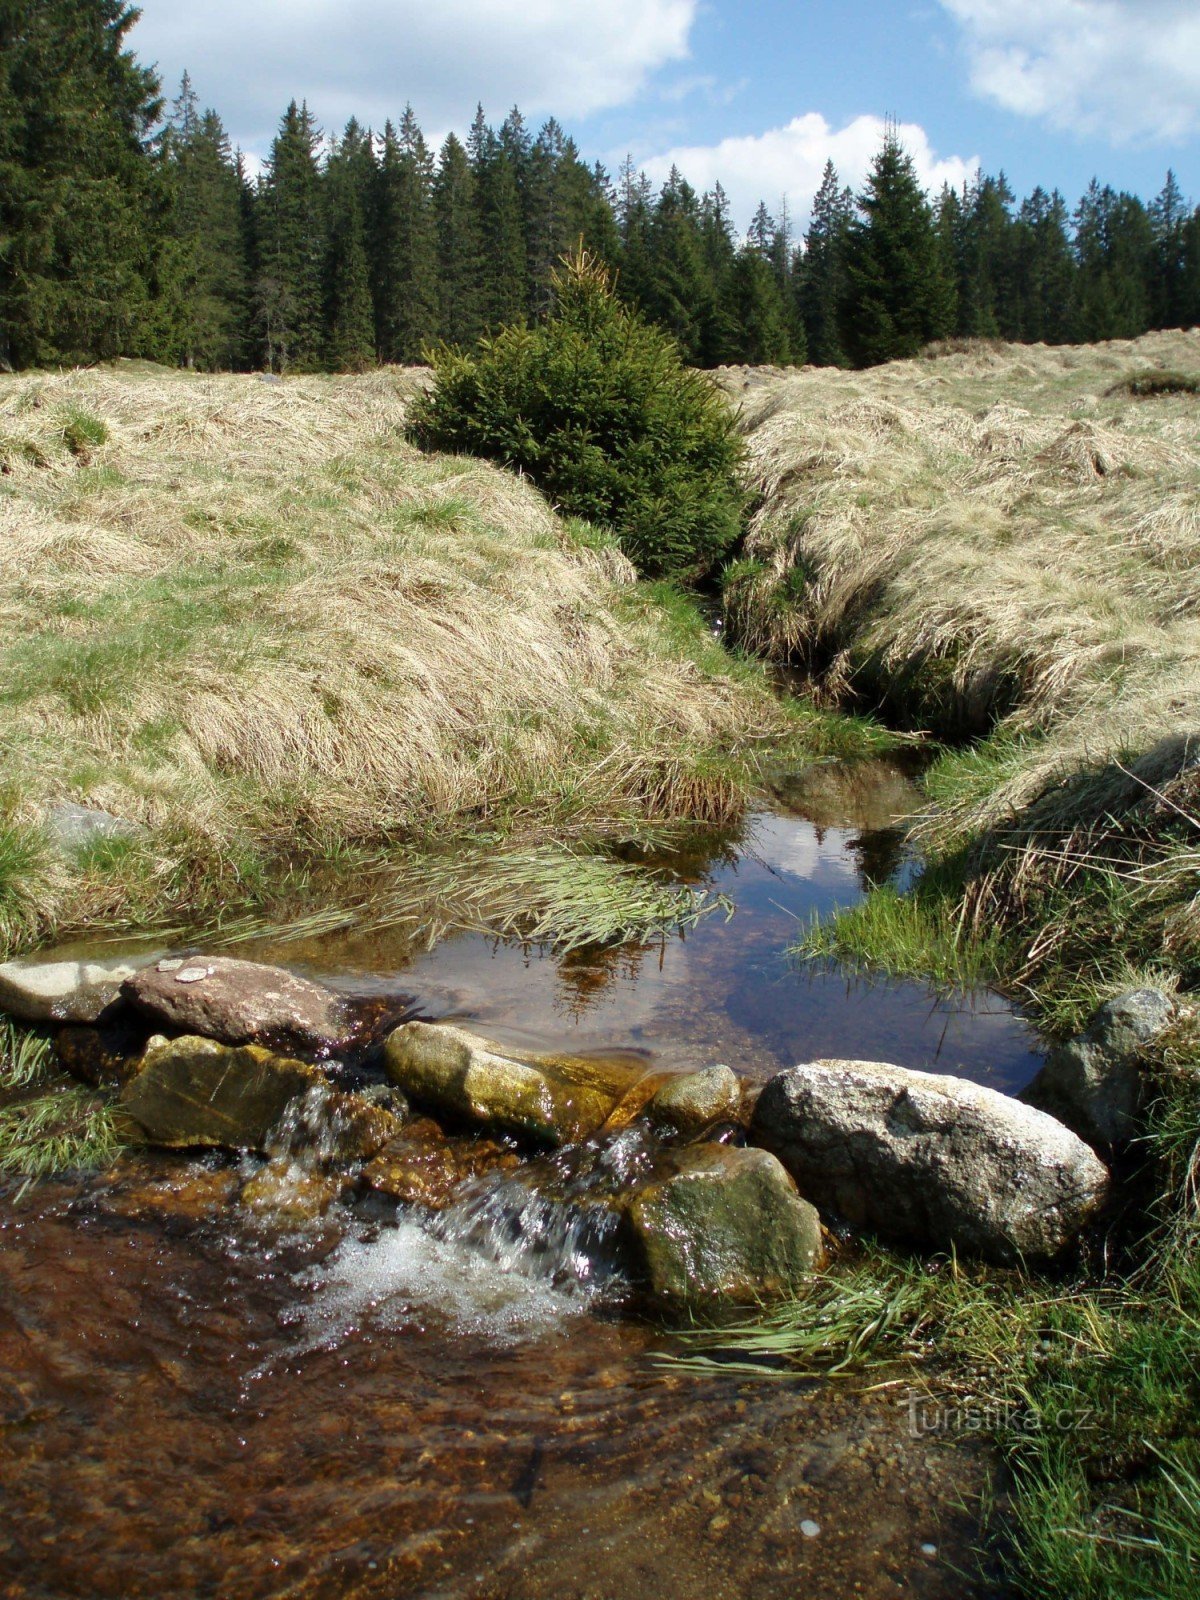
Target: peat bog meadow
x: 521, y: 1078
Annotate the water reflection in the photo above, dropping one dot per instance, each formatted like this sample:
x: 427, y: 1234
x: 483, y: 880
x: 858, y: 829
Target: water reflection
x: 726, y: 991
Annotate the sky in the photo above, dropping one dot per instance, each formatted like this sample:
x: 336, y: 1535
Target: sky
x: 1052, y: 92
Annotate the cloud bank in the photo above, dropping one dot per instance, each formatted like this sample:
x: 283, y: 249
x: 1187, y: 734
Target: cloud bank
x: 1127, y: 71
x: 789, y: 162
x: 366, y: 58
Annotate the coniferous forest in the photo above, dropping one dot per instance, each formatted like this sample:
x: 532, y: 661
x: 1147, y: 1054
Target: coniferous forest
x: 130, y: 226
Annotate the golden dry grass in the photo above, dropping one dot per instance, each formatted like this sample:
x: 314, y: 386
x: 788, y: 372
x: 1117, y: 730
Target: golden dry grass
x: 995, y: 531
x: 252, y: 619
x: 1004, y: 538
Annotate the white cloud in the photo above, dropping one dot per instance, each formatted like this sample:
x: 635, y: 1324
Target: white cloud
x: 789, y: 162
x: 367, y: 57
x: 1124, y: 70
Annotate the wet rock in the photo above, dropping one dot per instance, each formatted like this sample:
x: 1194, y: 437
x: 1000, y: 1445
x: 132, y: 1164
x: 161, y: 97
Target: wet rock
x: 106, y: 1055
x: 66, y: 986
x: 145, y: 1187
x: 932, y: 1160
x: 696, y: 1100
x: 192, y: 1092
x: 719, y: 1226
x: 239, y: 1002
x: 73, y: 828
x: 330, y: 1125
x: 551, y: 1099
x: 422, y: 1167
x: 1094, y: 1082
x: 289, y: 1192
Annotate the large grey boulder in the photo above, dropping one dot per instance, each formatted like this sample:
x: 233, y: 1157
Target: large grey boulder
x: 1094, y: 1082
x: 239, y: 1002
x: 66, y: 985
x: 553, y: 1100
x: 193, y: 1092
x: 931, y: 1160
x: 718, y: 1225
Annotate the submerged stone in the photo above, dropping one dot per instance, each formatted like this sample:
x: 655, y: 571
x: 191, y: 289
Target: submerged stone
x: 241, y: 1002
x: 289, y: 1192
x: 694, y: 1101
x: 551, y: 1099
x: 717, y: 1226
x: 63, y: 986
x: 421, y: 1166
x: 1094, y: 1082
x: 932, y: 1160
x: 193, y: 1091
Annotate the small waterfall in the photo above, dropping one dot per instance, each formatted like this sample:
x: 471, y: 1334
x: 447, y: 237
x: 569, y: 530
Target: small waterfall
x: 517, y: 1254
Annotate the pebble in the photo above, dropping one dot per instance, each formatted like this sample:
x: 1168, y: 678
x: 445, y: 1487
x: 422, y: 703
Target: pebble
x: 810, y: 1529
x: 929, y: 1549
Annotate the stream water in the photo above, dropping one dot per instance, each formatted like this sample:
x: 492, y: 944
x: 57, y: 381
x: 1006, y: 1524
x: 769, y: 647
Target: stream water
x: 196, y: 1401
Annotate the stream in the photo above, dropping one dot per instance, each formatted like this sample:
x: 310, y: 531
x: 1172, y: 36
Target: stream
x: 199, y: 1400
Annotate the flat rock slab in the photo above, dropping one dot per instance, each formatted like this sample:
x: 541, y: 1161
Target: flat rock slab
x: 195, y: 1092
x: 935, y: 1161
x: 242, y: 1002
x: 718, y: 1225
x: 553, y: 1100
x: 56, y: 987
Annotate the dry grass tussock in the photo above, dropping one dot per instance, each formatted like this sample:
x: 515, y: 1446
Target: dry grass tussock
x: 1001, y: 538
x: 253, y: 620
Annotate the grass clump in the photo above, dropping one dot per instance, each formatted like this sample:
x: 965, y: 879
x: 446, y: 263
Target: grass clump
x: 596, y: 406
x: 47, y: 1125
x: 1154, y: 382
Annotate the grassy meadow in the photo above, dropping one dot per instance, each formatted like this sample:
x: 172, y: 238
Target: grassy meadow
x: 250, y: 619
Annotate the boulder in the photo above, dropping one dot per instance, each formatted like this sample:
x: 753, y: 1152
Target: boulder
x: 73, y: 828
x: 106, y: 1055
x: 193, y: 1091
x: 935, y: 1161
x: 66, y: 985
x: 717, y: 1226
x: 242, y: 1002
x: 1093, y: 1083
x: 693, y: 1101
x: 553, y: 1100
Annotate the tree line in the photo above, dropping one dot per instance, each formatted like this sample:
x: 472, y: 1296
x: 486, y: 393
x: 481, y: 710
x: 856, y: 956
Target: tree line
x: 131, y: 228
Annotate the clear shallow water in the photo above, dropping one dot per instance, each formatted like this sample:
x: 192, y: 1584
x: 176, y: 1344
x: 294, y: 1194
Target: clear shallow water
x: 727, y: 991
x: 194, y: 1403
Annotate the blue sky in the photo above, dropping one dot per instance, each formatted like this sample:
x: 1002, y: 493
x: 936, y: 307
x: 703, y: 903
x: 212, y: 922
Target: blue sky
x: 1052, y: 91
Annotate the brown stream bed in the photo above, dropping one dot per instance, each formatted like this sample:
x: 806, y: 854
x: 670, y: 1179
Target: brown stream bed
x: 194, y: 1402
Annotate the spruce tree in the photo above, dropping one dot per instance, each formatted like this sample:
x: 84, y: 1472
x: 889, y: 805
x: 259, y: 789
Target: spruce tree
x: 896, y: 295
x: 212, y: 316
x: 1168, y: 219
x: 719, y: 335
x: 820, y: 276
x: 501, y: 280
x: 681, y: 294
x: 81, y: 196
x: 292, y: 247
x: 458, y: 246
x: 350, y: 341
x: 406, y: 244
x: 759, y: 309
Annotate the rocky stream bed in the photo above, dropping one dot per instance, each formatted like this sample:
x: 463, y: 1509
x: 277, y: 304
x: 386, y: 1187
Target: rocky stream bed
x: 383, y: 1296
